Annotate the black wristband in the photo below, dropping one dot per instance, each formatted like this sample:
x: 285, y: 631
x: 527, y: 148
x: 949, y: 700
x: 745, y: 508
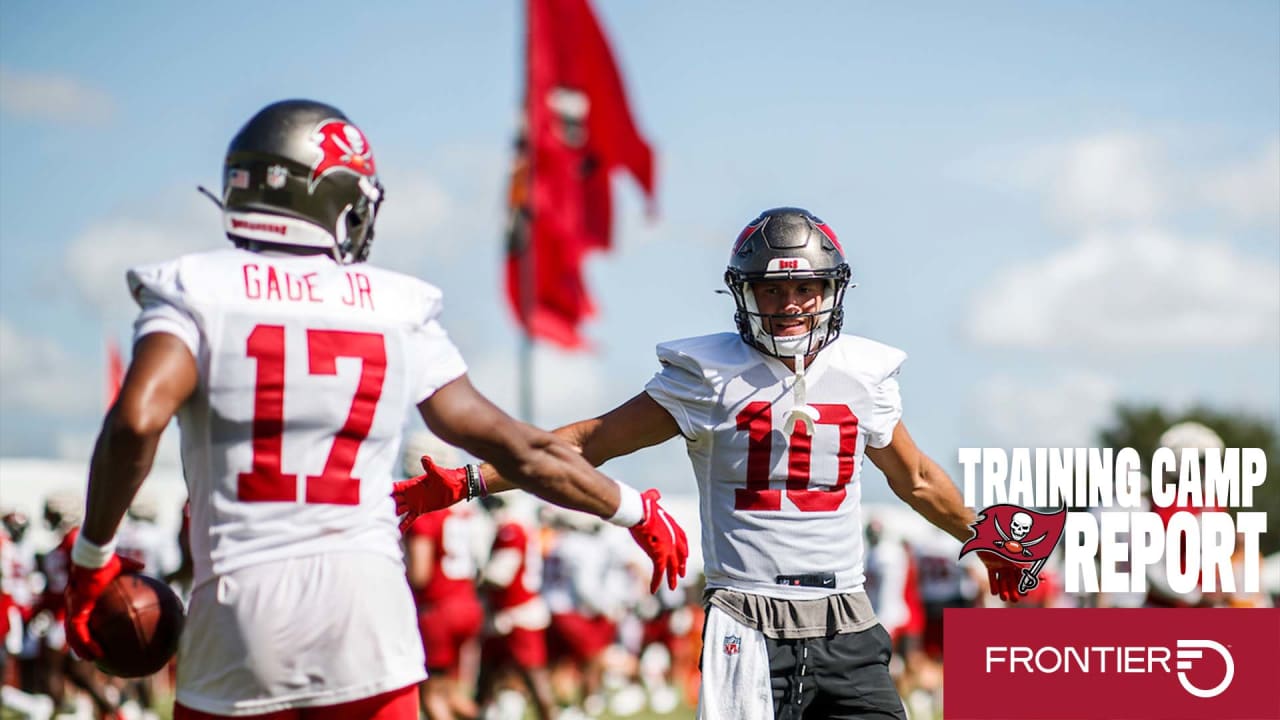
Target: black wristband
x: 475, y: 483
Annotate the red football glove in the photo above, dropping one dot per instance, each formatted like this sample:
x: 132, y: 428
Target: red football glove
x: 1003, y: 576
x: 662, y: 540
x: 84, y: 586
x: 436, y: 490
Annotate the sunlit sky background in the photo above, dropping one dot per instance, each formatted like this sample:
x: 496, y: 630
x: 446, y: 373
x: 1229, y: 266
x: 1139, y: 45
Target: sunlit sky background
x: 1050, y: 206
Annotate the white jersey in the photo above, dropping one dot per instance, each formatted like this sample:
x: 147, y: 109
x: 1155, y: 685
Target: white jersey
x: 586, y: 572
x: 149, y: 544
x: 307, y: 369
x: 774, y: 507
x: 888, y: 564
x: 942, y: 577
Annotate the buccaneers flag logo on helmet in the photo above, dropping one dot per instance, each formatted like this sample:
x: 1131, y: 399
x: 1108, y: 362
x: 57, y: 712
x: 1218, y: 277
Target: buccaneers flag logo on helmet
x: 342, y: 148
x: 1020, y: 535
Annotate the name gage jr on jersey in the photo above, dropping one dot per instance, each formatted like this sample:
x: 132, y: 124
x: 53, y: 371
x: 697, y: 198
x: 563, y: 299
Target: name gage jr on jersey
x: 265, y: 282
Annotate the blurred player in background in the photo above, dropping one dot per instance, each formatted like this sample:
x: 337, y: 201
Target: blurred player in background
x: 59, y: 672
x: 141, y: 538
x: 1185, y: 437
x: 668, y: 623
x: 515, y: 642
x: 17, y: 655
x: 442, y: 571
x: 893, y: 587
x: 292, y: 366
x: 777, y: 418
x: 944, y: 583
x: 581, y: 588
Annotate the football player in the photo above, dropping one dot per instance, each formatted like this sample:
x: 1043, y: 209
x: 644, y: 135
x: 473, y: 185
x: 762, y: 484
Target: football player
x: 513, y: 656
x: 441, y: 568
x: 1180, y: 438
x: 777, y: 418
x: 292, y: 366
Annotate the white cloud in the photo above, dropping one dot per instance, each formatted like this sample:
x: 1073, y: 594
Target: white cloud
x: 41, y: 378
x: 417, y: 208
x: 1104, y: 179
x: 1127, y: 282
x: 1250, y: 191
x: 1144, y: 290
x: 568, y: 386
x: 414, y: 226
x: 1057, y: 412
x: 52, y: 97
x: 99, y: 256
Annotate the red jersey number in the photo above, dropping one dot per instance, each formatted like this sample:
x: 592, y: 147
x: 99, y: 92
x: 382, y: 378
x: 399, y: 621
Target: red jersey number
x: 757, y: 420
x: 267, y: 482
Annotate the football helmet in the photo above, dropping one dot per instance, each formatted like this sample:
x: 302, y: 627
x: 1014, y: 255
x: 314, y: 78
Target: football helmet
x: 300, y: 173
x: 63, y: 509
x: 1191, y: 436
x: 16, y: 523
x: 423, y: 442
x: 787, y: 243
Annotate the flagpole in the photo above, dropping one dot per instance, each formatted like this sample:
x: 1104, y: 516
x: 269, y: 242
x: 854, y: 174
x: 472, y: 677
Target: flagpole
x: 527, y: 275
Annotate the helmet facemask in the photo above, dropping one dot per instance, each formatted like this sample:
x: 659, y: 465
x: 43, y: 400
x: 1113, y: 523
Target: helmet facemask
x: 825, y: 322
x: 353, y: 233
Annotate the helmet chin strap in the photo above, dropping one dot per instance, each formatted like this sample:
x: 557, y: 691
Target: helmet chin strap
x: 801, y: 412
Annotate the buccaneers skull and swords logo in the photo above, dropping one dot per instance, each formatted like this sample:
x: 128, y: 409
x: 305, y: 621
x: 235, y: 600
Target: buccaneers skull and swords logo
x: 1019, y: 535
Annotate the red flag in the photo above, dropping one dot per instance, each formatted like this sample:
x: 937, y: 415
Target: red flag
x: 1016, y: 533
x: 579, y: 130
x: 115, y: 372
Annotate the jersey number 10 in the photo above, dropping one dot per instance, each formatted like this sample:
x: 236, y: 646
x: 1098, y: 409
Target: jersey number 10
x: 334, y: 485
x: 757, y: 419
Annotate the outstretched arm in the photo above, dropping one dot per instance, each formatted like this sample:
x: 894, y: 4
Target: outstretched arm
x: 925, y: 486
x: 921, y: 483
x: 558, y: 467
x: 634, y: 425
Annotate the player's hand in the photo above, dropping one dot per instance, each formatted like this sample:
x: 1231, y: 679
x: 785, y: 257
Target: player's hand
x: 84, y: 587
x: 662, y: 539
x: 436, y: 489
x: 1003, y: 575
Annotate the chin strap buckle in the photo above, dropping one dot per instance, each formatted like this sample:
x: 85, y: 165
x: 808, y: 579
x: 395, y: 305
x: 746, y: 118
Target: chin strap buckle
x: 801, y: 411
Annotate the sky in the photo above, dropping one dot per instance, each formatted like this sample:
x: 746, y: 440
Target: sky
x: 1052, y: 207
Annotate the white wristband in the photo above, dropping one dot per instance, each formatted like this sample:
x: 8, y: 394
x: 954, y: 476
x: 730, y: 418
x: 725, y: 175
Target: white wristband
x: 630, y: 507
x: 85, y: 554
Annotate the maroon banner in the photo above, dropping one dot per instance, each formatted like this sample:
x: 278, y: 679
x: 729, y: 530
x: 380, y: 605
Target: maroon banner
x: 1051, y: 664
x: 579, y: 132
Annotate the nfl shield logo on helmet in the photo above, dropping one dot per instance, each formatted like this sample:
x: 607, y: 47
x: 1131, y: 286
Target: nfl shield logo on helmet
x: 276, y: 176
x: 732, y: 644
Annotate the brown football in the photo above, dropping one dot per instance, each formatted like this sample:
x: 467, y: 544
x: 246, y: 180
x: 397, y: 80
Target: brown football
x: 136, y: 621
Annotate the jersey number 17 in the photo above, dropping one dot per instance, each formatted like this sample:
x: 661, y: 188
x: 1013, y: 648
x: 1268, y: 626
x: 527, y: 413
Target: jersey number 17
x: 267, y: 482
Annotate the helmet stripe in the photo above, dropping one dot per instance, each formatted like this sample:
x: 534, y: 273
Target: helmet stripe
x: 831, y: 235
